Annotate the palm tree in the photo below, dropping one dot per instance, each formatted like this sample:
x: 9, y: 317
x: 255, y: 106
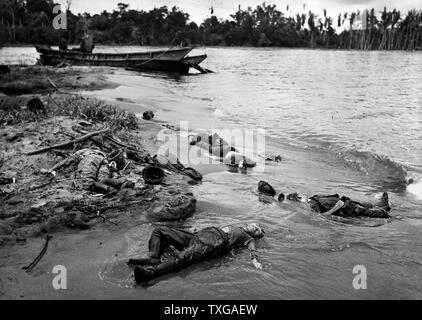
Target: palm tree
x: 395, y: 18
x: 372, y: 21
x: 351, y: 22
x: 311, y: 25
x: 7, y: 10
x: 384, y: 23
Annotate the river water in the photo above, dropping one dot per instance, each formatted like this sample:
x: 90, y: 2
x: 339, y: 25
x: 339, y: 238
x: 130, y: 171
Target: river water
x: 346, y: 122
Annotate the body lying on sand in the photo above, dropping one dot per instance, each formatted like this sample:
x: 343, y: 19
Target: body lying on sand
x: 95, y: 170
x: 193, y: 247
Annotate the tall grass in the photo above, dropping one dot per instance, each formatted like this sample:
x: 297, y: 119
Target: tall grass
x: 14, y: 111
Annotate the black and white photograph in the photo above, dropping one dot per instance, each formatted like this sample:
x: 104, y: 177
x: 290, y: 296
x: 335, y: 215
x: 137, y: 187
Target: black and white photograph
x: 218, y: 152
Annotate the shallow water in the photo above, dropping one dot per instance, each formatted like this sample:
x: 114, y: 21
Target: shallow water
x: 344, y: 122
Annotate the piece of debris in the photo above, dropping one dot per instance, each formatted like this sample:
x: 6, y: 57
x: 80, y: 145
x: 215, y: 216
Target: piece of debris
x: 105, y: 218
x: 172, y: 163
x: 276, y: 158
x: 32, y: 265
x: 168, y: 126
x: 180, y: 207
x: 52, y: 84
x: 195, y: 175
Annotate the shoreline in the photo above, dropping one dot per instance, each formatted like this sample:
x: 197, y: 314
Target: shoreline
x: 22, y: 135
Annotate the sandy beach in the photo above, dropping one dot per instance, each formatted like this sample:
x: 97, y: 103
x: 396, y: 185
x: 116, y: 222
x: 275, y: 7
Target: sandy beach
x: 32, y: 206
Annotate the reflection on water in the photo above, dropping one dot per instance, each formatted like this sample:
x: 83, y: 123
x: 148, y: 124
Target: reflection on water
x: 343, y: 122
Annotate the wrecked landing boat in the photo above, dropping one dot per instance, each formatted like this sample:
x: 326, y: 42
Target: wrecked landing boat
x: 54, y: 57
x: 172, y: 60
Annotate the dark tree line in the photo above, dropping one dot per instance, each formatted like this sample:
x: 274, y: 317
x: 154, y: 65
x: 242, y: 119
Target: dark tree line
x: 30, y: 21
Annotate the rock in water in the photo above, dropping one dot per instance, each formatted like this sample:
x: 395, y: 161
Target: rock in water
x: 266, y: 188
x: 281, y: 197
x: 180, y: 207
x: 148, y: 115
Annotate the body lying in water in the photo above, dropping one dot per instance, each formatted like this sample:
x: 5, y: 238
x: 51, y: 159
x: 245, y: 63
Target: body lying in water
x: 334, y: 204
x: 346, y: 207
x: 218, y: 147
x: 193, y: 247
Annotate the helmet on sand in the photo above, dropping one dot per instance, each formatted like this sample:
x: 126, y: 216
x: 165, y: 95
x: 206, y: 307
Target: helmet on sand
x: 153, y: 175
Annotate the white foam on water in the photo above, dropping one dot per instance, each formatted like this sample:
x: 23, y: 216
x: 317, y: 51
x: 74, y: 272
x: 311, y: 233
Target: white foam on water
x: 218, y: 113
x: 416, y: 189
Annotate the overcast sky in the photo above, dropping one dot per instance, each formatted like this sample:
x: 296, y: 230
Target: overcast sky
x: 200, y: 9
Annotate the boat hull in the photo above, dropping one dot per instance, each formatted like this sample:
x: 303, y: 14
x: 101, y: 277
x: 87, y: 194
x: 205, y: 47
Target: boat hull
x: 181, y: 66
x: 54, y: 57
x: 161, y: 65
x: 194, y: 60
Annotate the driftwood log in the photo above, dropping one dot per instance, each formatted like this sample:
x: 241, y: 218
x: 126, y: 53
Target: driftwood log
x: 68, y: 143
